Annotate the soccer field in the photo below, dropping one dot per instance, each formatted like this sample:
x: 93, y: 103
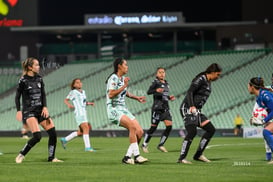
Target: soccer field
x: 233, y: 159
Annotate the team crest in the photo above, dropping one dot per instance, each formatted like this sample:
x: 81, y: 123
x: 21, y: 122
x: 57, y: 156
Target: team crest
x: 39, y: 85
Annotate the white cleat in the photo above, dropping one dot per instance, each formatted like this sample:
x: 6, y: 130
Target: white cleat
x: 162, y: 148
x: 56, y: 160
x: 184, y: 161
x: 145, y: 149
x: 203, y: 159
x: 19, y: 159
x: 140, y: 159
x: 127, y: 160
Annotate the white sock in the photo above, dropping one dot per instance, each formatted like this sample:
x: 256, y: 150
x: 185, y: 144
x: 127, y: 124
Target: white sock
x: 86, y: 140
x: 135, y: 148
x: 129, y: 151
x: 71, y: 136
x: 267, y: 148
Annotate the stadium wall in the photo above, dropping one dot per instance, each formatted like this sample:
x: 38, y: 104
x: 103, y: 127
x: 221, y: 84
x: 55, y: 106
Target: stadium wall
x: 124, y: 133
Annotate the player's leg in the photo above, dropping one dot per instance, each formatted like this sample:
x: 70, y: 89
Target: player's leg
x: 268, y: 152
x: 148, y: 135
x: 168, y: 123
x: 49, y: 127
x: 205, y: 139
x: 267, y: 133
x: 191, y: 123
x: 69, y: 137
x: 85, y: 135
x: 191, y: 133
x: 135, y: 133
x: 36, y: 137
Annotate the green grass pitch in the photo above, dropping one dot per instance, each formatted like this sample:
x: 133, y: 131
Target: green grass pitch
x: 233, y: 159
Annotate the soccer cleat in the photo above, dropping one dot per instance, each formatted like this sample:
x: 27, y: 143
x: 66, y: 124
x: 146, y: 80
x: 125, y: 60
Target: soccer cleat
x: 144, y: 148
x: 19, y: 159
x: 25, y: 137
x: 271, y: 162
x: 139, y: 159
x: 184, y: 161
x: 90, y: 149
x: 63, y: 142
x: 162, y: 148
x: 127, y: 160
x: 56, y: 160
x: 202, y: 158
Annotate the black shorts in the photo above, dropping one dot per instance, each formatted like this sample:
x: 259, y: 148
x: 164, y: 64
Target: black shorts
x: 195, y: 119
x: 36, y: 114
x: 239, y: 126
x: 158, y: 116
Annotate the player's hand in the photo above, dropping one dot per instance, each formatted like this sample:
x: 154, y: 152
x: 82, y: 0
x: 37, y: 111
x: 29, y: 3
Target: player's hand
x: 126, y: 81
x: 70, y: 106
x: 141, y: 99
x: 172, y: 97
x: 256, y: 122
x: 90, y: 103
x: 159, y: 90
x: 19, y: 116
x: 193, y: 109
x: 45, y: 113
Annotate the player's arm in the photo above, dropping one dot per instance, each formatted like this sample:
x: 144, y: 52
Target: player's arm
x: 193, y: 87
x: 114, y: 92
x: 154, y: 90
x: 17, y: 102
x: 45, y: 112
x: 67, y: 102
x: 88, y: 103
x: 141, y: 99
x: 269, y: 104
x: 43, y: 94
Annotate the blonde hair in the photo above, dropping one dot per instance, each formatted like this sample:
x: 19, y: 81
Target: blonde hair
x: 27, y: 63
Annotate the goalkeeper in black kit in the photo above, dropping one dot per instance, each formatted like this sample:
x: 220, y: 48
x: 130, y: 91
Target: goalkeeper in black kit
x: 190, y: 109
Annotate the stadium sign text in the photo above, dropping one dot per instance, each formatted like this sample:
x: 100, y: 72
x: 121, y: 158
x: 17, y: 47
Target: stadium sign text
x: 5, y: 8
x: 11, y: 23
x: 134, y: 19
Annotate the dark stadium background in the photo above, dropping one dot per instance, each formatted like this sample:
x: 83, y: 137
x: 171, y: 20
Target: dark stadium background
x: 70, y: 12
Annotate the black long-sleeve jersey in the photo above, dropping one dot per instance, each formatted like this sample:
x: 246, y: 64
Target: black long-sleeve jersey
x: 160, y: 99
x: 33, y: 93
x: 198, y: 92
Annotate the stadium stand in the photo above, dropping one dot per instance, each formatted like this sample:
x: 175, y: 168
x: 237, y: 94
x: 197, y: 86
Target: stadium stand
x: 230, y: 95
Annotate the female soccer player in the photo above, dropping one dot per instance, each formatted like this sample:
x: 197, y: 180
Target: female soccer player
x: 196, y: 97
x: 118, y: 113
x: 268, y: 152
x: 34, y: 112
x: 264, y: 98
x: 78, y: 97
x: 160, y: 110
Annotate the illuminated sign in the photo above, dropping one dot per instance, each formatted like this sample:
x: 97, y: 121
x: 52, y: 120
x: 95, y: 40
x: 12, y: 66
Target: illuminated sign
x: 169, y: 18
x: 5, y: 8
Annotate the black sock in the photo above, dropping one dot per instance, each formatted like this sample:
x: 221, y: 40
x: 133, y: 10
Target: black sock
x: 31, y: 143
x: 165, y: 135
x: 185, y: 149
x: 52, y: 140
